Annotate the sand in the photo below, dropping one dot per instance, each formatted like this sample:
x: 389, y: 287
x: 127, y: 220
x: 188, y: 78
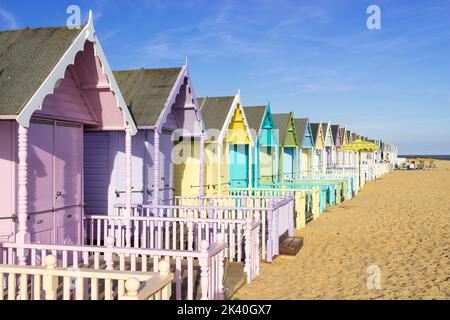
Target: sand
x: 399, y: 224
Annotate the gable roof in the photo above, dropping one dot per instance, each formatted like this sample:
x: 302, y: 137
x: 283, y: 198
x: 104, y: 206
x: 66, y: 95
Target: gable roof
x: 146, y: 92
x: 315, y: 127
x: 27, y: 57
x: 255, y: 117
x: 335, y: 132
x: 215, y: 111
x: 300, y: 126
x: 281, y: 121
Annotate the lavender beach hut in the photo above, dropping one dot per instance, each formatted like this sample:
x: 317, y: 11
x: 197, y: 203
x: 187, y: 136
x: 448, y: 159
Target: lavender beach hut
x: 163, y: 104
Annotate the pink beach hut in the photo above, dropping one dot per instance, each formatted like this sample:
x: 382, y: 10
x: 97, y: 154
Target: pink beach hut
x: 55, y: 85
x: 163, y: 104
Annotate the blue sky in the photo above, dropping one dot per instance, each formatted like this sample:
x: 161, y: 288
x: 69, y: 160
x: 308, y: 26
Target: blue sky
x: 316, y: 58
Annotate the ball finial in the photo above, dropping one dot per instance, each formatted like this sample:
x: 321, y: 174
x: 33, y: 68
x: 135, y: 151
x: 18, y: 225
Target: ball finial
x: 110, y: 241
x: 204, y: 245
x: 164, y: 267
x: 132, y: 286
x: 50, y: 262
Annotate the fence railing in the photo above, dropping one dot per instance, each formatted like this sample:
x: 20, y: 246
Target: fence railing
x: 208, y: 262
x: 218, y: 218
x: 177, y: 228
x: 50, y: 282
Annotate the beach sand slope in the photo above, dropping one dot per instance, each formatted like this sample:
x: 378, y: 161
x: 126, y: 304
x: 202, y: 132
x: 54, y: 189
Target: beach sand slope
x: 398, y: 225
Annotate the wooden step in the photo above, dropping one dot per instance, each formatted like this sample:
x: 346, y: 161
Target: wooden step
x: 290, y: 246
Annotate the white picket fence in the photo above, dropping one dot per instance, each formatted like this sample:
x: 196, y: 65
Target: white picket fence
x: 50, y: 282
x: 209, y: 261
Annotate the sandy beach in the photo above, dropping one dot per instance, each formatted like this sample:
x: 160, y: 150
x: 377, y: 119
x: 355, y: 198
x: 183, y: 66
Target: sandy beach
x: 400, y: 223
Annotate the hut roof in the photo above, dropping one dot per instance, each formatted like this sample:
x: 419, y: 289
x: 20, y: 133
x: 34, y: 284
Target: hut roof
x: 27, y: 57
x: 146, y: 91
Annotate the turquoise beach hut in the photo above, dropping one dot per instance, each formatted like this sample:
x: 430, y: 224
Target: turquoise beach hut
x: 288, y: 141
x: 265, y: 150
x: 306, y: 147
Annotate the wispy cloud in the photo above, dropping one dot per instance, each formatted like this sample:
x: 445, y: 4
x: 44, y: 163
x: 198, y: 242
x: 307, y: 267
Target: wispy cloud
x: 8, y: 18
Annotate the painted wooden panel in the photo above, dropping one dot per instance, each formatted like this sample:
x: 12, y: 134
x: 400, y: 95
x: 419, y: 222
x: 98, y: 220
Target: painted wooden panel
x: 290, y: 139
x: 319, y: 145
x: 40, y: 159
x: 237, y: 132
x: 67, y: 102
x: 308, y: 141
x: 68, y: 182
x: 306, y: 161
x: 239, y: 158
x: 187, y: 168
x: 7, y: 170
x: 266, y: 156
x: 97, y: 172
x: 289, y: 162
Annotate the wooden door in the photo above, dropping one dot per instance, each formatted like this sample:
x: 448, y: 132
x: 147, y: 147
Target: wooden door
x: 68, y: 182
x: 238, y: 162
x: 266, y: 165
x: 40, y: 186
x: 289, y: 162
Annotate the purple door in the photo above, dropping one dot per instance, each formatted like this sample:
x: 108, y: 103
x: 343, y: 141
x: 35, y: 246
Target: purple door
x: 68, y: 182
x: 54, y: 182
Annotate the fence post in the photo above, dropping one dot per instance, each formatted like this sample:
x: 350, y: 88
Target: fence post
x: 220, y: 293
x: 50, y: 283
x: 190, y: 227
x: 109, y: 262
x: 204, y: 269
x: 269, y: 245
x: 164, y: 269
x: 300, y: 204
x: 316, y: 203
x: 290, y: 214
x: 256, y: 243
x: 248, y: 255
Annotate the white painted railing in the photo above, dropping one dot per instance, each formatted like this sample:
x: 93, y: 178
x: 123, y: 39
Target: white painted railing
x: 50, y: 282
x: 207, y: 220
x: 208, y: 261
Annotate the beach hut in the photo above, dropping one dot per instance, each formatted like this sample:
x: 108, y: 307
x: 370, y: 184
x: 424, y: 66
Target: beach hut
x: 163, y: 104
x: 228, y: 156
x: 329, y: 145
x: 288, y: 140
x: 341, y: 154
x: 306, y: 146
x: 337, y: 140
x: 266, y: 148
x: 319, y: 145
x: 55, y: 85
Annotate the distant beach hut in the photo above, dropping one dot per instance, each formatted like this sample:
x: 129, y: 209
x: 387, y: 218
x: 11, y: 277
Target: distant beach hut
x: 319, y: 146
x: 337, y: 140
x: 285, y: 124
x: 328, y: 144
x: 56, y: 85
x: 341, y: 155
x: 306, y: 147
x: 266, y: 148
x: 228, y: 147
x: 163, y: 104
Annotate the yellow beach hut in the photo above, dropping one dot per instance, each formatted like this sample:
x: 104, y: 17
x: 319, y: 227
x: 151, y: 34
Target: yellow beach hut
x: 228, y: 155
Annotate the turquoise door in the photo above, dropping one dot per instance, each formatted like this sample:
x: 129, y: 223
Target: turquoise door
x: 289, y: 163
x: 239, y: 165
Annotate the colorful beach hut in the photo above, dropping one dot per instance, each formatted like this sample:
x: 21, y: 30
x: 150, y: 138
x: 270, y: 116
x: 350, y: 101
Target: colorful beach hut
x: 329, y: 145
x: 55, y: 85
x: 266, y: 148
x: 163, y: 104
x: 319, y: 146
x: 337, y: 140
x: 306, y: 146
x: 288, y: 140
x: 228, y: 155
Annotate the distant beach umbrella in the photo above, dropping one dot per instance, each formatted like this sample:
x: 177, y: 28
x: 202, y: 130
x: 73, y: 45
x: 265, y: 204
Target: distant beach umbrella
x: 360, y: 146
